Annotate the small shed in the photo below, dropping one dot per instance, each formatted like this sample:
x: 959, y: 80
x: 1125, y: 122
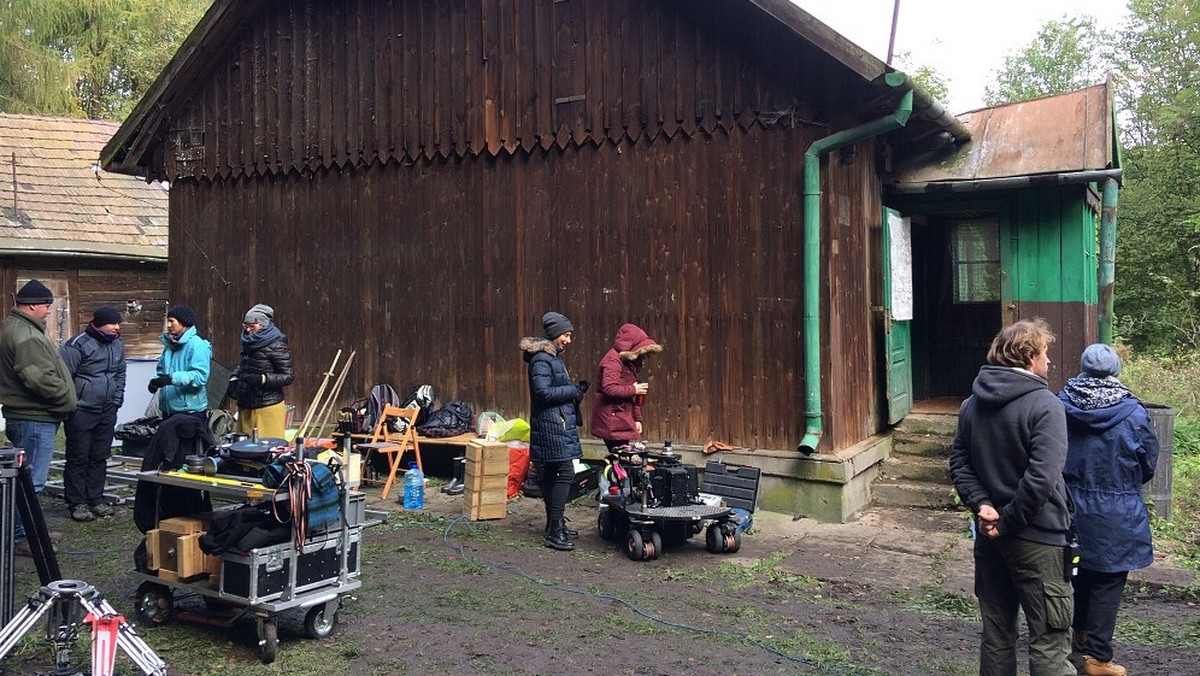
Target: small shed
x: 93, y: 237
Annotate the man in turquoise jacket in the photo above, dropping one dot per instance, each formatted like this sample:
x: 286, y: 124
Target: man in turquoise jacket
x: 182, y: 373
x: 36, y: 390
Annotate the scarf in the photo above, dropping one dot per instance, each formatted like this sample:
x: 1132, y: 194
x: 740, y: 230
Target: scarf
x: 259, y: 339
x: 1088, y: 393
x: 102, y: 336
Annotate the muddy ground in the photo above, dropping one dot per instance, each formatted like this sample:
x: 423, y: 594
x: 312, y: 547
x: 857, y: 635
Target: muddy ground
x: 442, y: 595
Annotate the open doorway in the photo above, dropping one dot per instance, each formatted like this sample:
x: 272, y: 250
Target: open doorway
x: 958, y: 303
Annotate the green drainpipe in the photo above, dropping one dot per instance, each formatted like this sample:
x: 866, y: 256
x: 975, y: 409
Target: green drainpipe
x: 812, y: 250
x: 1108, y: 258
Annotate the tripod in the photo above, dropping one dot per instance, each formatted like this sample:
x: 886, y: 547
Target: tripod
x: 64, y: 601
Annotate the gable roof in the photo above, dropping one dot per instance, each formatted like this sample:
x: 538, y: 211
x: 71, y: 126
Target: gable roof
x: 62, y: 202
x: 1060, y: 134
x: 138, y: 146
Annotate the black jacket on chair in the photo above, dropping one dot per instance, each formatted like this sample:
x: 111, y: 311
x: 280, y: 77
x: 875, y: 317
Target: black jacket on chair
x: 178, y: 436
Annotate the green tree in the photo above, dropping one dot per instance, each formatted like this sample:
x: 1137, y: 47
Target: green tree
x: 1066, y: 55
x: 926, y: 76
x: 87, y: 58
x: 1158, y: 235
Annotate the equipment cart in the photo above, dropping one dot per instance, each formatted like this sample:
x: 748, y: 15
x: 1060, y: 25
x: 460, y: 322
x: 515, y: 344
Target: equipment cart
x: 262, y: 582
x: 653, y: 500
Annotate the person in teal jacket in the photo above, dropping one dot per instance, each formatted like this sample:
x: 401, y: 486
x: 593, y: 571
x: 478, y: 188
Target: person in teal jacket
x: 182, y: 373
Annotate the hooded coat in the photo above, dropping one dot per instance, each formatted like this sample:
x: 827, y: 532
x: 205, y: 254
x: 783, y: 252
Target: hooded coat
x: 553, y: 399
x: 1009, y: 453
x: 615, y: 408
x: 187, y: 360
x: 1111, y: 451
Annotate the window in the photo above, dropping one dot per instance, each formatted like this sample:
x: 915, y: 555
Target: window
x: 976, y: 251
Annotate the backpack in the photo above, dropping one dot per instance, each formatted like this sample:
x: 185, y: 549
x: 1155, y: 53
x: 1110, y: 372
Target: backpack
x: 422, y: 398
x: 453, y: 418
x: 379, y: 396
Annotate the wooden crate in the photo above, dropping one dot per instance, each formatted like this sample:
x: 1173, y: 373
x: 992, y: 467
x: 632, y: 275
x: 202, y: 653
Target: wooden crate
x: 177, y: 556
x: 482, y: 512
x: 490, y: 454
x: 185, y: 525
x: 487, y: 482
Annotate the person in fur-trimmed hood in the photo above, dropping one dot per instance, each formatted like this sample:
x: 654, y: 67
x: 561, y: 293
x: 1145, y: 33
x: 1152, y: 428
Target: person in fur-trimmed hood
x: 553, y: 422
x: 617, y: 407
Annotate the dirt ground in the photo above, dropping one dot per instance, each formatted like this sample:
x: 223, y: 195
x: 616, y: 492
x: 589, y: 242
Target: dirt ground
x: 444, y: 595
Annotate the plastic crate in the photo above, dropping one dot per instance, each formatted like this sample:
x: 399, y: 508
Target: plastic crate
x: 737, y: 484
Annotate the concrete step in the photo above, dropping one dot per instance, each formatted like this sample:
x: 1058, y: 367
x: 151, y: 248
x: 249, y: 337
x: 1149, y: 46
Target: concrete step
x: 929, y: 445
x: 936, y: 424
x: 918, y: 468
x: 911, y: 494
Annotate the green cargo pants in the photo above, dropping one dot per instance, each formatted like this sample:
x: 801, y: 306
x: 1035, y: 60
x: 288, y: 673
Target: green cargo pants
x: 1012, y: 573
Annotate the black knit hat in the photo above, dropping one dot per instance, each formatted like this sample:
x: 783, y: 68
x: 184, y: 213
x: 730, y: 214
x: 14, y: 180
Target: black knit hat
x: 105, y: 315
x: 34, y: 293
x: 183, y: 314
x: 556, y: 324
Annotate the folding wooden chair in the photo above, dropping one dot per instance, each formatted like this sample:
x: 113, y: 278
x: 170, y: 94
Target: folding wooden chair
x: 393, y: 444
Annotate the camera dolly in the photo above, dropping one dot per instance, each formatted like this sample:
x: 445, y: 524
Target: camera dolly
x: 653, y: 502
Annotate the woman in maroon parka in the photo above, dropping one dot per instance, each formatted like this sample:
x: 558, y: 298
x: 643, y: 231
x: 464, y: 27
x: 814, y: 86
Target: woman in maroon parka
x: 617, y: 408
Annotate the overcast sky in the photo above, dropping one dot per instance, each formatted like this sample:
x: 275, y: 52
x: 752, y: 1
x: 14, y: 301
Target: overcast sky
x: 965, y: 42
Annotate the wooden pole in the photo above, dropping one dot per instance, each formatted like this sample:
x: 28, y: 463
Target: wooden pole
x: 320, y: 391
x: 337, y: 390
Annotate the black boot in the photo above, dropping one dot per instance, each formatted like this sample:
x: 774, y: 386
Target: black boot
x: 556, y: 536
x: 572, y: 534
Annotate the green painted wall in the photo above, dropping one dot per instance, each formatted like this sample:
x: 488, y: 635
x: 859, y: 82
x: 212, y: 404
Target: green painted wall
x: 1053, y: 246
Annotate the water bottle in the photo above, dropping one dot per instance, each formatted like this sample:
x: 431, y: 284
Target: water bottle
x: 414, y: 487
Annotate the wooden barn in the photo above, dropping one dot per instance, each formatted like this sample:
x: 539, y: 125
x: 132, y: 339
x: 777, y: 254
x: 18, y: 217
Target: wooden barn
x: 94, y: 238
x: 420, y: 180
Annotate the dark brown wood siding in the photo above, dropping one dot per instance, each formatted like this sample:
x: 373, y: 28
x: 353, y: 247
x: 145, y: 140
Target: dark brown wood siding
x: 347, y: 83
x: 91, y: 284
x: 433, y: 270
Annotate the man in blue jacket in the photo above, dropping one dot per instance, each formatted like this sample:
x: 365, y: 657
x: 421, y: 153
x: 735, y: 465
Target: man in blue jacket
x: 1111, y: 451
x: 182, y: 372
x: 96, y: 360
x: 1007, y: 462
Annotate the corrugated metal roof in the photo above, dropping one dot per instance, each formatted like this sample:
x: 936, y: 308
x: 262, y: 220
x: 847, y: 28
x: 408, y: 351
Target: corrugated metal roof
x: 1055, y: 134
x: 63, y: 203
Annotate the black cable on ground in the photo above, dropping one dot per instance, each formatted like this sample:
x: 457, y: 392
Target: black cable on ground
x: 461, y: 549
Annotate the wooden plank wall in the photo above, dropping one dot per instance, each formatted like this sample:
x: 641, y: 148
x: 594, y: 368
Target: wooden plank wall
x: 433, y: 272
x: 344, y: 83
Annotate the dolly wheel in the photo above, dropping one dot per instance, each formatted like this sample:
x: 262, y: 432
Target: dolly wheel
x: 154, y: 603
x: 655, y: 546
x: 268, y: 640
x: 604, y: 524
x: 321, y: 620
x: 635, y: 547
x: 714, y: 540
x: 733, y: 541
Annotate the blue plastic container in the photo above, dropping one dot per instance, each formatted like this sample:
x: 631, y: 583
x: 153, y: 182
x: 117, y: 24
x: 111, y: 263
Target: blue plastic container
x: 414, y: 487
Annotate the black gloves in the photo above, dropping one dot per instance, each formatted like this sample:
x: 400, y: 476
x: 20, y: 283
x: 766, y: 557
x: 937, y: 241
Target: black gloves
x: 159, y: 381
x: 583, y: 386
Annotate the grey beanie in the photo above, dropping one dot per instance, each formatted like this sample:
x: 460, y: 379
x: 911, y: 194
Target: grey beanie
x: 261, y: 313
x: 1100, y: 361
x: 556, y: 324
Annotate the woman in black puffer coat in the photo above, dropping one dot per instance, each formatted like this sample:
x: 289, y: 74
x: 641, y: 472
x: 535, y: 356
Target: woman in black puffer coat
x: 554, y: 422
x: 263, y: 371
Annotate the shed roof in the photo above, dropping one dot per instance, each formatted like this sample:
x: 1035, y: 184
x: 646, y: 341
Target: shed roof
x: 1064, y: 133
x: 62, y: 203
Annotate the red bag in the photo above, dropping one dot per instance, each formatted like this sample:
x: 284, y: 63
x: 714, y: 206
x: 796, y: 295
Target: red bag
x: 518, y: 466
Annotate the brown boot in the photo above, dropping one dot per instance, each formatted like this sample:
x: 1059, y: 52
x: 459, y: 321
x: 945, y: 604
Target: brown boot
x: 1094, y: 667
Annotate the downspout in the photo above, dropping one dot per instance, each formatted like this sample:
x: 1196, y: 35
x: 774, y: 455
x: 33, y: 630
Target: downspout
x: 812, y: 250
x: 1108, y: 257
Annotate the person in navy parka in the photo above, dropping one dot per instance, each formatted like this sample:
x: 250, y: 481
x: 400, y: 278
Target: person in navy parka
x: 1111, y: 452
x: 553, y: 422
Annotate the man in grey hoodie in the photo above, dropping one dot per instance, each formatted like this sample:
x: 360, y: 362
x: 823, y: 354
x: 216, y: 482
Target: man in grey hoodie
x: 1007, y: 463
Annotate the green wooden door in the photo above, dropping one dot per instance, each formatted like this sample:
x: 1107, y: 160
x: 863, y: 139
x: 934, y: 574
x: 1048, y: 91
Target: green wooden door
x: 897, y: 313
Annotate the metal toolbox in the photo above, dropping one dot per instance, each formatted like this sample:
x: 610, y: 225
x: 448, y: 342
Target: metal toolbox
x: 263, y: 574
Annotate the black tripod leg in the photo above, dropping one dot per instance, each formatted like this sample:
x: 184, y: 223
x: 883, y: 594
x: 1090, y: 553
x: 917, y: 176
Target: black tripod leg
x: 35, y: 528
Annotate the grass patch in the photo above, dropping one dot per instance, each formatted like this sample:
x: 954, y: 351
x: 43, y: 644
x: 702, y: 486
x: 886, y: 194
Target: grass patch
x: 1159, y: 634
x: 939, y: 604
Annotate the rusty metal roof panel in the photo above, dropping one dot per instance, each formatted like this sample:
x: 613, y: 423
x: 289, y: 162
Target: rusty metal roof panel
x: 54, y: 198
x: 1054, y: 134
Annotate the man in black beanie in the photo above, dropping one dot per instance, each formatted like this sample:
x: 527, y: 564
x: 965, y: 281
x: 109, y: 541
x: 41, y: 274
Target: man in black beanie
x: 36, y: 391
x: 96, y: 359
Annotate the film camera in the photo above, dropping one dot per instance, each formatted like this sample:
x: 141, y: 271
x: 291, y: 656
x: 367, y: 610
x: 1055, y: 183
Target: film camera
x: 661, y: 479
x: 239, y: 455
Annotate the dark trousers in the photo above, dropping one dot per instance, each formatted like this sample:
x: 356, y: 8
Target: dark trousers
x: 1097, y: 599
x: 1012, y: 573
x: 89, y: 445
x: 555, y: 478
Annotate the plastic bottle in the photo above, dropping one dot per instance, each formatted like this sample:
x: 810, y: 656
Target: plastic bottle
x: 414, y: 487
